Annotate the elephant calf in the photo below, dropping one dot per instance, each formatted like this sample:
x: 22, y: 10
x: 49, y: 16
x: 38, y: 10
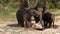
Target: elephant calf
x: 48, y: 19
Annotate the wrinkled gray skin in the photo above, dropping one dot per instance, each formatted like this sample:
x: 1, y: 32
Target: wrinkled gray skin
x: 48, y: 19
x: 33, y: 12
x: 36, y: 13
x: 24, y: 17
x: 41, y: 9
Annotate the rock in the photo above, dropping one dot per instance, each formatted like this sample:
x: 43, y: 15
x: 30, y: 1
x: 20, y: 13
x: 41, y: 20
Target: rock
x: 37, y: 25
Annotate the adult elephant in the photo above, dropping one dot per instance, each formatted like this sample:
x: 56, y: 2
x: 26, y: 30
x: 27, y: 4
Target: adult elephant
x: 24, y: 17
x: 41, y: 10
x: 19, y: 15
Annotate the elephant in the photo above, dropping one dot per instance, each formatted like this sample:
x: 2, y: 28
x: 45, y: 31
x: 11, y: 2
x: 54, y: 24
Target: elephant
x: 48, y: 19
x: 24, y: 17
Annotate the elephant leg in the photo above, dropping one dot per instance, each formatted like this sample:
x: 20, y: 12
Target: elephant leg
x: 29, y: 21
x: 45, y: 25
x: 20, y: 22
x: 36, y: 19
x: 41, y: 21
x: 50, y: 24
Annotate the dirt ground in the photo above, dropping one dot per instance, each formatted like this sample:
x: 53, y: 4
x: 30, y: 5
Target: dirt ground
x: 10, y: 27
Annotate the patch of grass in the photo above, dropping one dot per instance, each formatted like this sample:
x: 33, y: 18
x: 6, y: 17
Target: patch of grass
x: 8, y: 14
x: 7, y: 17
x: 53, y: 10
x: 57, y: 14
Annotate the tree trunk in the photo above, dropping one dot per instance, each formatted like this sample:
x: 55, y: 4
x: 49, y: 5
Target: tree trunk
x: 47, y: 4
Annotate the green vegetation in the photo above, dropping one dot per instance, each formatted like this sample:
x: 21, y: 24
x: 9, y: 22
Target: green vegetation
x: 8, y: 14
x: 8, y: 8
x: 53, y: 10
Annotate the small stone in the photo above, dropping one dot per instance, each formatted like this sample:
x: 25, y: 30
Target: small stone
x: 37, y: 25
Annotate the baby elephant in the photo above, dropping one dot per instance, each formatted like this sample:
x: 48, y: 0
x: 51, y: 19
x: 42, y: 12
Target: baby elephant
x: 48, y: 19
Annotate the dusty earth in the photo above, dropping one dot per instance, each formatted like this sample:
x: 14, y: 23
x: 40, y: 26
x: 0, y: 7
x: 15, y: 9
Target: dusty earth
x: 10, y: 27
